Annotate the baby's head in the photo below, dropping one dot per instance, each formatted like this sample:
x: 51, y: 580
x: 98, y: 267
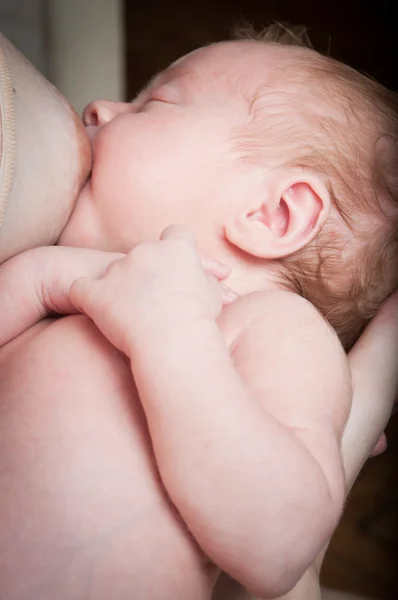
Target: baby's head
x: 283, y: 162
x: 343, y: 126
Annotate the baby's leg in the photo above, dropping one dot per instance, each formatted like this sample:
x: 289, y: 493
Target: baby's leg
x: 83, y: 514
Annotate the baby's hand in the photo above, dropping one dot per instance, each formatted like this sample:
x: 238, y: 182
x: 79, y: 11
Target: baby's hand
x: 36, y: 283
x: 157, y: 285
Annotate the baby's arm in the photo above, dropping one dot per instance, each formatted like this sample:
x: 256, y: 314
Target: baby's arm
x: 248, y: 445
x: 374, y: 367
x: 37, y: 282
x: 295, y: 369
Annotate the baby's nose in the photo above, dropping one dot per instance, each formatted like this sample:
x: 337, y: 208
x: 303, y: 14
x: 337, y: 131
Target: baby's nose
x: 97, y: 113
x: 100, y: 112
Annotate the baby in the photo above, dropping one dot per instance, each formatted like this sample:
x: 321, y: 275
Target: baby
x: 222, y: 450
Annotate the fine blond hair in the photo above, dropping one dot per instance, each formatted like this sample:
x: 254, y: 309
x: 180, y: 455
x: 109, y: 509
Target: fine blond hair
x: 346, y: 276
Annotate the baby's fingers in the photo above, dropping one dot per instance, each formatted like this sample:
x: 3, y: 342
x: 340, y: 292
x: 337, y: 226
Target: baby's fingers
x: 216, y: 268
x: 83, y: 294
x: 220, y: 291
x: 227, y: 295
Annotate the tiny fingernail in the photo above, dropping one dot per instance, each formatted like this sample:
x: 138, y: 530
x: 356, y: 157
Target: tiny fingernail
x: 228, y: 299
x: 228, y: 292
x: 225, y: 269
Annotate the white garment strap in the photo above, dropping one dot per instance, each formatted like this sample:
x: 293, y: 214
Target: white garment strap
x: 7, y: 135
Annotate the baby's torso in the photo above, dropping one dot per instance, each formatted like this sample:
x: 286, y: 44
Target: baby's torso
x: 75, y: 455
x: 75, y: 447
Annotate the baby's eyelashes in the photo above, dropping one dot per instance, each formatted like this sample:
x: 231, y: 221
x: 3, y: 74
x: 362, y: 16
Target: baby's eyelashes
x: 165, y: 93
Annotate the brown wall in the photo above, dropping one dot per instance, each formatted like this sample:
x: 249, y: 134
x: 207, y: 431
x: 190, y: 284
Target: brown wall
x: 359, y: 33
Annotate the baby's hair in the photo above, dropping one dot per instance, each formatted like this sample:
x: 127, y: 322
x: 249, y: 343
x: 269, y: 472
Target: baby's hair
x: 354, y: 147
x: 278, y: 33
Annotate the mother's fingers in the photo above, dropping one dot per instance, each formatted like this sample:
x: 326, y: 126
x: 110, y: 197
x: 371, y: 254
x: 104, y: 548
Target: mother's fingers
x: 374, y: 367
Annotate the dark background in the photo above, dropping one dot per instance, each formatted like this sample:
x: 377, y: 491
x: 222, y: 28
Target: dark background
x: 362, y: 34
x: 363, y: 555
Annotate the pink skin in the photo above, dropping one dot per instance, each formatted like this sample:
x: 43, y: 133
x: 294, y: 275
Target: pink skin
x: 381, y: 446
x: 111, y: 215
x: 167, y: 157
x: 57, y: 269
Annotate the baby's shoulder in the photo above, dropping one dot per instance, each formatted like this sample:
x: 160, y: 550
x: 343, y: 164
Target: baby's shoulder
x: 283, y: 348
x: 275, y: 314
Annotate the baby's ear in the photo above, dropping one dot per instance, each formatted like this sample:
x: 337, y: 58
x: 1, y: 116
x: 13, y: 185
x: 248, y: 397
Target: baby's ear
x: 287, y: 214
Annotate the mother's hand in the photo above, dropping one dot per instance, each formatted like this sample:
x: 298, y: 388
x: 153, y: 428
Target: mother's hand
x: 374, y: 366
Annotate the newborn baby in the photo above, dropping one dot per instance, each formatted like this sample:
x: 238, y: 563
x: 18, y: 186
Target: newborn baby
x: 160, y: 438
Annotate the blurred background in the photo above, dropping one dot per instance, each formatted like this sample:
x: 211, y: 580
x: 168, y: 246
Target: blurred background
x: 94, y: 49
x: 78, y: 44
